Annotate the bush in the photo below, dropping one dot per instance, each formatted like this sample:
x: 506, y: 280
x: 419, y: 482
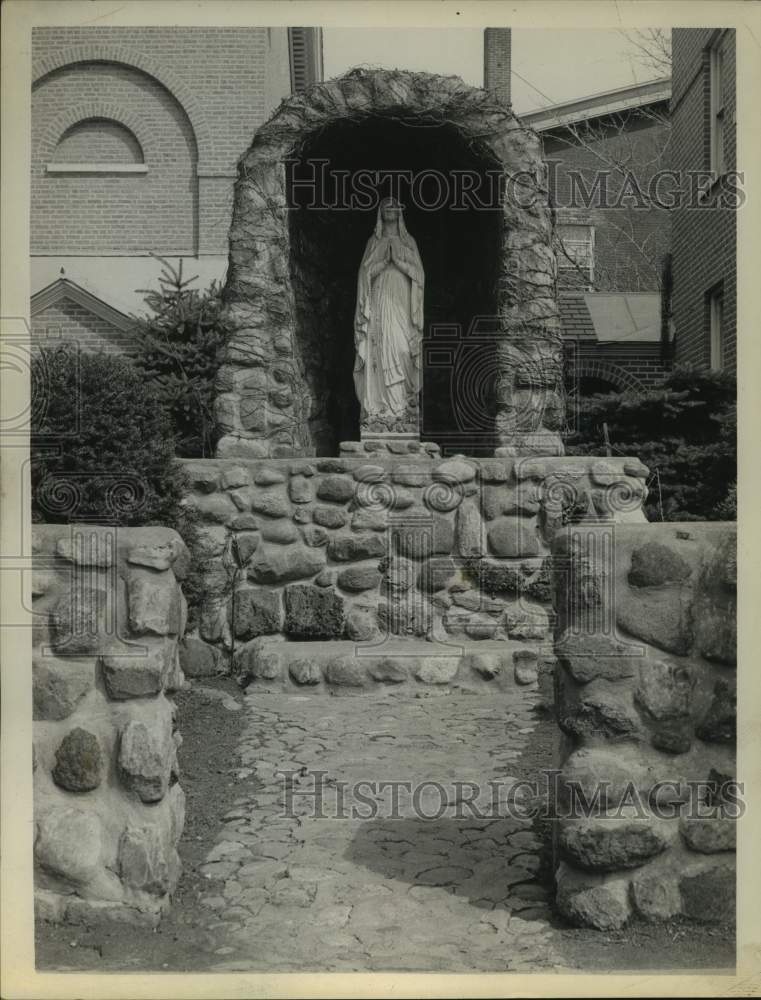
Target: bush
x: 103, y: 444
x: 180, y: 348
x: 684, y: 430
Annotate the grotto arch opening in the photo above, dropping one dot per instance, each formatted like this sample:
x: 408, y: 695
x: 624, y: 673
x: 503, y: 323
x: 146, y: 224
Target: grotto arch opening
x: 283, y: 389
x: 451, y: 199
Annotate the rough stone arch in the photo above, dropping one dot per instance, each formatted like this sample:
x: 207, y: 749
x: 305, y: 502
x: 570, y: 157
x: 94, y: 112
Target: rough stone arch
x: 119, y: 54
x: 86, y: 112
x: 256, y: 410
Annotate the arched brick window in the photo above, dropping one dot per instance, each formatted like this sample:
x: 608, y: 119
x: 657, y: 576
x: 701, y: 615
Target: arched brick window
x: 100, y: 141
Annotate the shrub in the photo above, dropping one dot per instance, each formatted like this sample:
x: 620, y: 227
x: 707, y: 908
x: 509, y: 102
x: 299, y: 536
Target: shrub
x: 103, y: 451
x: 103, y: 444
x: 180, y: 347
x: 684, y: 429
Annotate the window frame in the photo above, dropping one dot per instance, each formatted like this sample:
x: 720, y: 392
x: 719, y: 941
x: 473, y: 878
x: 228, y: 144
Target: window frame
x: 716, y: 329
x: 566, y: 262
x: 717, y: 110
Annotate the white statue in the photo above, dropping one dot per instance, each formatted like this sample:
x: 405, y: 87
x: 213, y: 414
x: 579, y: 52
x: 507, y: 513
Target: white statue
x: 388, y: 325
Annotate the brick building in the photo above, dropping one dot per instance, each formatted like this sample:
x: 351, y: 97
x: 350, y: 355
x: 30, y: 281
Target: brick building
x: 704, y: 226
x: 603, y: 153
x: 136, y: 134
x: 136, y: 137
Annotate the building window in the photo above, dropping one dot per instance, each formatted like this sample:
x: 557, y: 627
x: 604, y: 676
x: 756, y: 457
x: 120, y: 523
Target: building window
x: 576, y: 255
x: 718, y: 164
x: 97, y: 146
x: 716, y: 327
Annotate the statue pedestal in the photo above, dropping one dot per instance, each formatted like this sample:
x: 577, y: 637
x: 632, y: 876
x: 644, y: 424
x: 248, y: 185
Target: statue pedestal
x: 390, y: 443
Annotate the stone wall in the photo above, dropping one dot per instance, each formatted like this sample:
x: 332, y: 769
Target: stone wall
x: 646, y: 698
x: 374, y: 549
x: 108, y: 809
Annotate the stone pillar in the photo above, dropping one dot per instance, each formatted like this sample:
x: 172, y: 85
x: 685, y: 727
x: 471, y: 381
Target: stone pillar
x: 108, y: 808
x: 646, y: 649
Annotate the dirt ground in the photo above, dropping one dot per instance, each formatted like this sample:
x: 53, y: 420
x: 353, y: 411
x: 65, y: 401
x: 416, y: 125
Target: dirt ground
x: 210, y: 777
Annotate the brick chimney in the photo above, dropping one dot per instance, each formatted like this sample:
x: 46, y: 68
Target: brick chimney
x: 497, y: 62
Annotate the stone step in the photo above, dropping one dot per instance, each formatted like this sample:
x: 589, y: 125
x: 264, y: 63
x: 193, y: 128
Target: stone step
x: 405, y: 664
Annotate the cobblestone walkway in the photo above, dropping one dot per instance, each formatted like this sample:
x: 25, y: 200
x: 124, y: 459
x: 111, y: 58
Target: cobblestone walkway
x: 394, y: 892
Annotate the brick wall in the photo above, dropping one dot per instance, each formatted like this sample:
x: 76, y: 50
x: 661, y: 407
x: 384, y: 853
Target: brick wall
x: 630, y: 241
x: 71, y: 322
x: 192, y: 98
x: 110, y: 212
x: 704, y: 237
x: 623, y: 365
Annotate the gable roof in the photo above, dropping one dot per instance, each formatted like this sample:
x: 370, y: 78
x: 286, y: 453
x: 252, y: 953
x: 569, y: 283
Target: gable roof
x: 596, y: 105
x: 63, y: 288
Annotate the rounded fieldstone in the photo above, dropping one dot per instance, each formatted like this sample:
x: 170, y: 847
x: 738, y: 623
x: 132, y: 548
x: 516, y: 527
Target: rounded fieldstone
x: 313, y: 612
x: 513, y: 537
x: 331, y: 465
x: 362, y: 624
x: 338, y: 489
x: 278, y: 565
x: 525, y: 666
x: 719, y: 724
x: 69, y: 843
x: 234, y: 477
x: 302, y: 469
x: 345, y: 671
x: 369, y: 473
x: 610, y: 843
x: 79, y: 762
x: 357, y: 578
x: 59, y: 685
x: 268, y: 477
x: 708, y: 893
x: 656, y: 896
x: 270, y: 504
x: 280, y: 532
x: 665, y: 689
x: 673, y: 737
x: 198, y: 658
x: 258, y: 660
x: 138, y: 676
x: 300, y: 490
x: 481, y: 626
x: 326, y: 578
x: 147, y: 859
x: 356, y: 547
x: 254, y: 611
x: 437, y: 669
x: 315, y: 536
x: 709, y: 834
x: 244, y: 545
x: 305, y: 672
x: 388, y: 671
x: 488, y: 665
x: 145, y: 758
x: 369, y: 520
x: 329, y: 517
x: 454, y: 470
x: 244, y: 522
x: 654, y: 564
x: 413, y: 475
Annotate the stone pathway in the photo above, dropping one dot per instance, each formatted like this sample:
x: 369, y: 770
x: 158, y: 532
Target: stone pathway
x: 392, y: 892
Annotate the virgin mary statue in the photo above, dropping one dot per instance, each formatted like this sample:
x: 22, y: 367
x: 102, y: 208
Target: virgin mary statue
x: 388, y: 325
